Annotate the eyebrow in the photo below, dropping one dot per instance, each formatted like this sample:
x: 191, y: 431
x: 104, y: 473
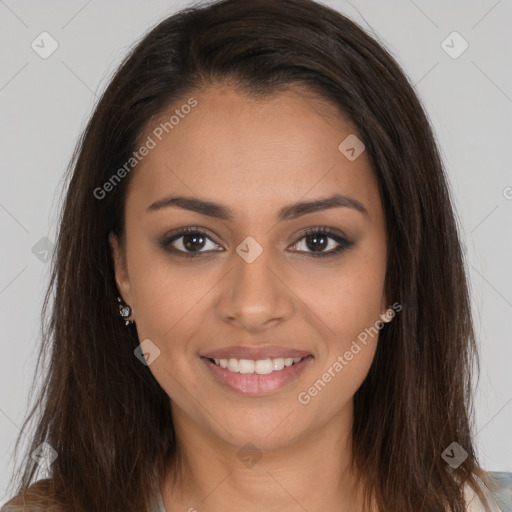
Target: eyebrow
x: 289, y: 212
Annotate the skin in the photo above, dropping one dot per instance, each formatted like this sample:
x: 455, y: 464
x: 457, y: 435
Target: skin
x: 256, y: 157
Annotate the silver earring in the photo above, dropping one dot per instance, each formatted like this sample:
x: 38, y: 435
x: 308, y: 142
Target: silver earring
x: 125, y: 311
x: 387, y: 316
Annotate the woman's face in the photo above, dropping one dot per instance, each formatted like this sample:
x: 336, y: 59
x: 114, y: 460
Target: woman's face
x: 256, y: 279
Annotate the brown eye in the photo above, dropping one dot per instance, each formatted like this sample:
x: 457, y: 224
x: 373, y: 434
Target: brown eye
x: 193, y: 242
x: 189, y: 242
x: 316, y: 241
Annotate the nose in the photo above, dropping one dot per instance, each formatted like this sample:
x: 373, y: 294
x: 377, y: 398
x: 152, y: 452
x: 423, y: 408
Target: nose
x: 255, y: 295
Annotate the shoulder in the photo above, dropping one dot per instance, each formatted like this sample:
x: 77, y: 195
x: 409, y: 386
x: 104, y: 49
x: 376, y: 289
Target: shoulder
x: 497, y: 488
x: 500, y: 486
x: 38, y: 497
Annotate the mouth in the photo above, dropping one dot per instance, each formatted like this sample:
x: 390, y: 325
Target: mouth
x: 259, y: 366
x: 256, y: 371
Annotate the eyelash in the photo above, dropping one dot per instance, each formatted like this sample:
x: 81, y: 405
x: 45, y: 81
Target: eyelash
x: 343, y: 242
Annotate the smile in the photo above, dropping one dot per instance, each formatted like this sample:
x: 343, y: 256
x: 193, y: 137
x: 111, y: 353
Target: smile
x: 260, y: 366
x: 256, y: 376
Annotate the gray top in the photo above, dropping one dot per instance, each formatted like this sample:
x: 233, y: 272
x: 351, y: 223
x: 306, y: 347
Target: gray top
x: 158, y: 504
x: 500, y: 490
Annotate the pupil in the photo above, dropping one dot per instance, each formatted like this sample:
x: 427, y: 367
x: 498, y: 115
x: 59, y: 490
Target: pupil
x: 193, y: 245
x: 315, y: 239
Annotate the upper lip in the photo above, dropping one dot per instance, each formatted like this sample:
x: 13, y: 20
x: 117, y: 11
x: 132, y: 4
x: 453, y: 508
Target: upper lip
x: 259, y: 352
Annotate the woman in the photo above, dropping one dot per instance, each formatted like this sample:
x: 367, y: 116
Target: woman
x: 260, y: 295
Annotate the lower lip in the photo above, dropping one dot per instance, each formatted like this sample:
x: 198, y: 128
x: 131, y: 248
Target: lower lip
x: 254, y: 384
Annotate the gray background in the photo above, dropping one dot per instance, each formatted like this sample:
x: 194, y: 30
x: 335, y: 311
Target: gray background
x: 45, y: 103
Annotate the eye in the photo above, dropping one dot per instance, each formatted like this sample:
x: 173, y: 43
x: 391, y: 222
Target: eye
x: 193, y: 241
x: 188, y: 242
x: 318, y: 239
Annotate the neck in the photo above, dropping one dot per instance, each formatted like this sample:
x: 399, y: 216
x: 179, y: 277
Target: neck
x: 312, y: 472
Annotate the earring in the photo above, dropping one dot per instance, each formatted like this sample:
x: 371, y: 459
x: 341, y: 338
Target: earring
x: 387, y: 316
x: 125, y: 311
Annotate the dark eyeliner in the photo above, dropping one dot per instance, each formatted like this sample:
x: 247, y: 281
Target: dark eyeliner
x: 167, y: 240
x: 343, y: 242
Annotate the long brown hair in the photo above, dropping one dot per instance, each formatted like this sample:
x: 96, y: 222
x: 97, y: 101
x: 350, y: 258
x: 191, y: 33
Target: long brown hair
x: 104, y: 413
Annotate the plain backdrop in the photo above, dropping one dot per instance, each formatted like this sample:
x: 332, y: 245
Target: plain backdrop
x: 45, y: 103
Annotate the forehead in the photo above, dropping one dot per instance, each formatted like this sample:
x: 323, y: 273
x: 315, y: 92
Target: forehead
x: 253, y: 154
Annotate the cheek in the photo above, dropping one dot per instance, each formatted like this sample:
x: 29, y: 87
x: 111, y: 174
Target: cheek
x: 348, y: 299
x: 167, y: 295
x: 170, y: 304
x: 350, y: 306
x: 165, y: 286
x: 337, y: 381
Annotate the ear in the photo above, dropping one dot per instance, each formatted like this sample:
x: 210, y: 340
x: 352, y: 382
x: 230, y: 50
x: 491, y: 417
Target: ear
x: 120, y: 268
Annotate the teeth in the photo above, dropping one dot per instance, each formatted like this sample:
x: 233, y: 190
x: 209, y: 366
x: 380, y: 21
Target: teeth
x: 260, y: 367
